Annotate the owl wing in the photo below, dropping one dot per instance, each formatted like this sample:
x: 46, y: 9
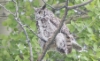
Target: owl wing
x: 69, y: 38
x: 63, y: 44
x: 66, y: 31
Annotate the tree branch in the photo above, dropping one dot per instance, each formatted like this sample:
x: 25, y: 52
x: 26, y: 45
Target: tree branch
x: 7, y: 9
x: 75, y: 17
x: 78, y: 5
x: 25, y: 32
x: 61, y: 5
x: 50, y: 41
x: 36, y: 34
x: 48, y: 4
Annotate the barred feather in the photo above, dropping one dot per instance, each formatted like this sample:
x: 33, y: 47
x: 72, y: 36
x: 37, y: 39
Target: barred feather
x: 47, y: 23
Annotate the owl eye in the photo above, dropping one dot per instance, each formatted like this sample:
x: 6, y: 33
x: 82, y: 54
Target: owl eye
x: 39, y: 12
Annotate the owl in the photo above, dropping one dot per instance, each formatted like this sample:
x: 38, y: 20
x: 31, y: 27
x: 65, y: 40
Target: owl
x: 47, y: 23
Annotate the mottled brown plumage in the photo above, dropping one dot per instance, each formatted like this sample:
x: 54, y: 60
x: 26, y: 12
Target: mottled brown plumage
x: 47, y: 23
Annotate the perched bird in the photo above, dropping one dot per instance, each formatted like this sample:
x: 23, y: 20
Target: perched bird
x: 47, y: 23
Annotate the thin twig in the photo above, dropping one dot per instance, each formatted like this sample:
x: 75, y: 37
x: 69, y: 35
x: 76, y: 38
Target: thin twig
x: 75, y: 17
x: 78, y: 5
x: 48, y: 4
x: 58, y: 7
x: 50, y: 41
x: 25, y: 32
x: 36, y: 34
x: 88, y: 25
x: 7, y: 9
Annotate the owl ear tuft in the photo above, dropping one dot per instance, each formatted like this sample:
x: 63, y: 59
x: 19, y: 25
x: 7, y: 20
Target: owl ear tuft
x: 44, y: 6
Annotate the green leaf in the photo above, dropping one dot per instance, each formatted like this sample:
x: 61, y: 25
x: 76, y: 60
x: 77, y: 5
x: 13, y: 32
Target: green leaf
x: 71, y: 27
x: 21, y: 47
x: 10, y: 6
x: 95, y: 47
x: 18, y: 58
x: 36, y: 3
x: 90, y: 30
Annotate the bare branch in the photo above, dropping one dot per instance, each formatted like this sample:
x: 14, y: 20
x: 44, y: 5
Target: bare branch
x: 4, y: 1
x: 75, y: 17
x: 7, y: 9
x: 61, y: 5
x: 93, y: 21
x: 78, y: 5
x: 25, y: 32
x: 50, y: 41
x: 36, y: 34
x: 48, y: 4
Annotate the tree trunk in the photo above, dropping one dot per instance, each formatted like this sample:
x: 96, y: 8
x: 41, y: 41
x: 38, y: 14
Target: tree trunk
x: 3, y: 17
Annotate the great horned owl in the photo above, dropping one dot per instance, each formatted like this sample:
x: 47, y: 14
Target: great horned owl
x: 47, y: 23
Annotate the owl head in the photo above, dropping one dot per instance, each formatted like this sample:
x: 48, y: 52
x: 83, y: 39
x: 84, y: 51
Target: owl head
x: 39, y: 12
x: 42, y: 12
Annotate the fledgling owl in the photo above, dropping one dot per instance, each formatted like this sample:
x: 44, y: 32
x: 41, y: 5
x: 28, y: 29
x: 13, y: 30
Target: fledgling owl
x: 47, y: 23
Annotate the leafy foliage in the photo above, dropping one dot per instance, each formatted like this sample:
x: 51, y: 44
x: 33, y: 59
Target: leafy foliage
x: 87, y: 31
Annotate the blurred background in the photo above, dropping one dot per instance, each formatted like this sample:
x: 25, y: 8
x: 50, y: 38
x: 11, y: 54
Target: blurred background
x: 83, y: 22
